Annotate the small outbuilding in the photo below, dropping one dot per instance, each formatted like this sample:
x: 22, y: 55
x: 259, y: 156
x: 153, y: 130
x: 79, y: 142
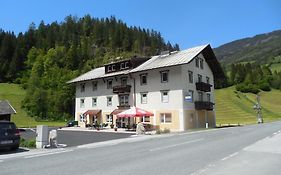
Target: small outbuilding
x: 6, y: 109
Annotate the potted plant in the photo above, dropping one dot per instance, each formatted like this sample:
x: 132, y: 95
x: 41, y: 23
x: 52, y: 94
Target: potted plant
x: 111, y: 126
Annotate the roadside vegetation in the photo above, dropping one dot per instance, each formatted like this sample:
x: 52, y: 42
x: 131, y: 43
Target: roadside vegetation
x: 28, y: 143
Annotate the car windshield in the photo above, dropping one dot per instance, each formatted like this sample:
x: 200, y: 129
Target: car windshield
x: 7, y: 126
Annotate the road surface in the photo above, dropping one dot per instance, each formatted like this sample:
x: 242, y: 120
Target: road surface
x: 251, y: 149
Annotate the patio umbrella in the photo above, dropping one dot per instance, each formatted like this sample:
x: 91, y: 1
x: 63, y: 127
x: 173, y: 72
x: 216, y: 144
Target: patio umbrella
x: 134, y: 112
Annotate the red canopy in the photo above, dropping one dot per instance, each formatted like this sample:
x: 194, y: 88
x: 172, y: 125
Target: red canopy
x: 92, y: 112
x: 135, y: 112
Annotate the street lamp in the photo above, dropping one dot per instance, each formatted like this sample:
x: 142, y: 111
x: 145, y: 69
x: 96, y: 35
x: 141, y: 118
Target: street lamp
x: 258, y: 108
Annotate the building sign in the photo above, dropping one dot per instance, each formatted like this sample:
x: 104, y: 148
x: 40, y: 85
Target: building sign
x: 188, y: 97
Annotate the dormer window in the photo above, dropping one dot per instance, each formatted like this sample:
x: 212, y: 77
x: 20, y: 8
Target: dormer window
x: 122, y: 66
x: 201, y: 63
x: 109, y: 69
x: 197, y: 62
x: 113, y: 67
x: 127, y: 65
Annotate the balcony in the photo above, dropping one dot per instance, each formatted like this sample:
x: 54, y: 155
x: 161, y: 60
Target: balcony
x: 205, y: 87
x: 123, y: 106
x: 121, y: 89
x: 204, y: 105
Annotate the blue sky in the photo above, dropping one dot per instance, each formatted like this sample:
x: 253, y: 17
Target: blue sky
x: 186, y: 22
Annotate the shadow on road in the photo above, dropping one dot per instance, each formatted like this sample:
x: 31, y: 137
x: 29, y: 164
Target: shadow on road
x: 20, y: 150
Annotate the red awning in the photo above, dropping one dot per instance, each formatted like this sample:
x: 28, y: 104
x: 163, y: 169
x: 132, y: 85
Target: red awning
x: 135, y: 112
x: 117, y: 111
x: 92, y: 112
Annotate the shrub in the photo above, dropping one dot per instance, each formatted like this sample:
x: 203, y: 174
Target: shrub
x: 27, y: 143
x: 264, y: 86
x: 247, y: 88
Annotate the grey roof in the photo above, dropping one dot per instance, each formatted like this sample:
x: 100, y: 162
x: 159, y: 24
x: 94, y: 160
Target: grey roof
x: 97, y: 73
x: 6, y: 108
x: 175, y: 58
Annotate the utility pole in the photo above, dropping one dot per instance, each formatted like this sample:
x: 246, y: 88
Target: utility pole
x: 258, y: 108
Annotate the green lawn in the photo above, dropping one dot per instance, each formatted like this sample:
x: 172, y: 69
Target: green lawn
x: 235, y: 107
x: 15, y: 95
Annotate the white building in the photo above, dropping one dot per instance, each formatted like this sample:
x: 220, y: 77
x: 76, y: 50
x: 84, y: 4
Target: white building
x: 178, y: 87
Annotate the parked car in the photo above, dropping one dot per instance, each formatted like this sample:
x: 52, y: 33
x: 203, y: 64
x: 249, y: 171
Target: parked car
x: 72, y: 123
x: 9, y: 135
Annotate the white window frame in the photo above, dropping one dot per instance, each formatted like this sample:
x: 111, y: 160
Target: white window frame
x: 126, y: 65
x: 109, y: 102
x: 162, y: 76
x: 163, y: 118
x: 109, y: 118
x: 208, y: 97
x: 94, y: 85
x: 124, y: 79
x: 122, y: 66
x: 141, y: 79
x: 82, y: 118
x: 191, y: 93
x: 200, y: 96
x: 107, y: 84
x: 82, y: 87
x: 82, y: 102
x: 123, y: 100
x: 143, y: 99
x: 94, y: 104
x: 207, y: 79
x: 113, y: 67
x: 109, y: 69
x: 163, y: 98
x: 145, y: 119
x: 200, y: 78
x: 190, y: 76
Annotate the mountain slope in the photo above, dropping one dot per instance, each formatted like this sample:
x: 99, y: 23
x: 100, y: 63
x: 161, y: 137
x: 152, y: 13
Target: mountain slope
x: 260, y: 48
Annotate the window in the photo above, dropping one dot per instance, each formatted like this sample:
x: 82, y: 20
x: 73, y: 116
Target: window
x: 190, y: 93
x: 201, y: 63
x: 82, y: 87
x: 199, y: 78
x: 165, y: 96
x: 109, y: 118
x: 123, y: 81
x: 122, y: 66
x: 95, y: 85
x: 113, y: 67
x: 166, y: 118
x: 82, y: 118
x: 200, y: 96
x: 109, y: 84
x: 109, y: 101
x: 164, y: 76
x: 190, y: 76
x: 145, y: 119
x: 108, y: 68
x: 209, y: 97
x: 94, y: 102
x: 197, y: 62
x: 208, y: 80
x: 127, y: 65
x: 82, y: 103
x: 143, y: 79
x: 143, y: 98
x: 123, y: 100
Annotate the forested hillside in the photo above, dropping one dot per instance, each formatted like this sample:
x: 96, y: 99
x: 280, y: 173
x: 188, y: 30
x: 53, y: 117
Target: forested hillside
x: 44, y: 58
x: 261, y: 49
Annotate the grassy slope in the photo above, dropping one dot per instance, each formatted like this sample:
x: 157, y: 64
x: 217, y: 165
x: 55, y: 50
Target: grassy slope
x: 236, y: 107
x: 15, y: 95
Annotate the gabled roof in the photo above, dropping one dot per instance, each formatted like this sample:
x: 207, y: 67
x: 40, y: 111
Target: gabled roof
x: 6, y: 108
x: 173, y: 59
x: 159, y: 61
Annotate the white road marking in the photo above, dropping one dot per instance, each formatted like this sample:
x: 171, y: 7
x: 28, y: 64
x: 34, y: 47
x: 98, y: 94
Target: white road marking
x: 50, y: 153
x: 231, y: 155
x: 200, y: 171
x: 170, y: 146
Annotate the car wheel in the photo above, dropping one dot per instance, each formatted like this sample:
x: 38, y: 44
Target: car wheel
x: 15, y: 148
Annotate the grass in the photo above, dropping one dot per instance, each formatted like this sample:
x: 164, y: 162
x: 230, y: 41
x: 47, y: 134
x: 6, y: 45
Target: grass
x: 236, y: 107
x: 15, y: 94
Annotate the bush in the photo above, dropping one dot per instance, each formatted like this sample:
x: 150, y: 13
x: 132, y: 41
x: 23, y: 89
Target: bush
x: 27, y: 143
x: 247, y: 88
x: 265, y: 86
x: 165, y: 131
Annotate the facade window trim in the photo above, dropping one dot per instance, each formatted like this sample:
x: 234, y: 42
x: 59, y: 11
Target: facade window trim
x: 191, y: 93
x: 201, y: 63
x: 94, y: 85
x: 94, y: 101
x: 109, y: 101
x: 109, y: 69
x: 164, y: 116
x: 199, y: 78
x: 124, y: 81
x: 122, y: 66
x: 113, y: 67
x: 109, y: 85
x: 164, y: 98
x: 162, y: 76
x: 207, y: 79
x: 190, y: 76
x: 197, y: 62
x: 82, y: 102
x: 126, y: 64
x: 143, y: 99
x: 141, y: 79
x: 82, y: 87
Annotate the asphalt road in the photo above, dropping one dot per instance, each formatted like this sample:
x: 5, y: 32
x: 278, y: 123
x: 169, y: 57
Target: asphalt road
x: 242, y: 150
x: 75, y: 138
